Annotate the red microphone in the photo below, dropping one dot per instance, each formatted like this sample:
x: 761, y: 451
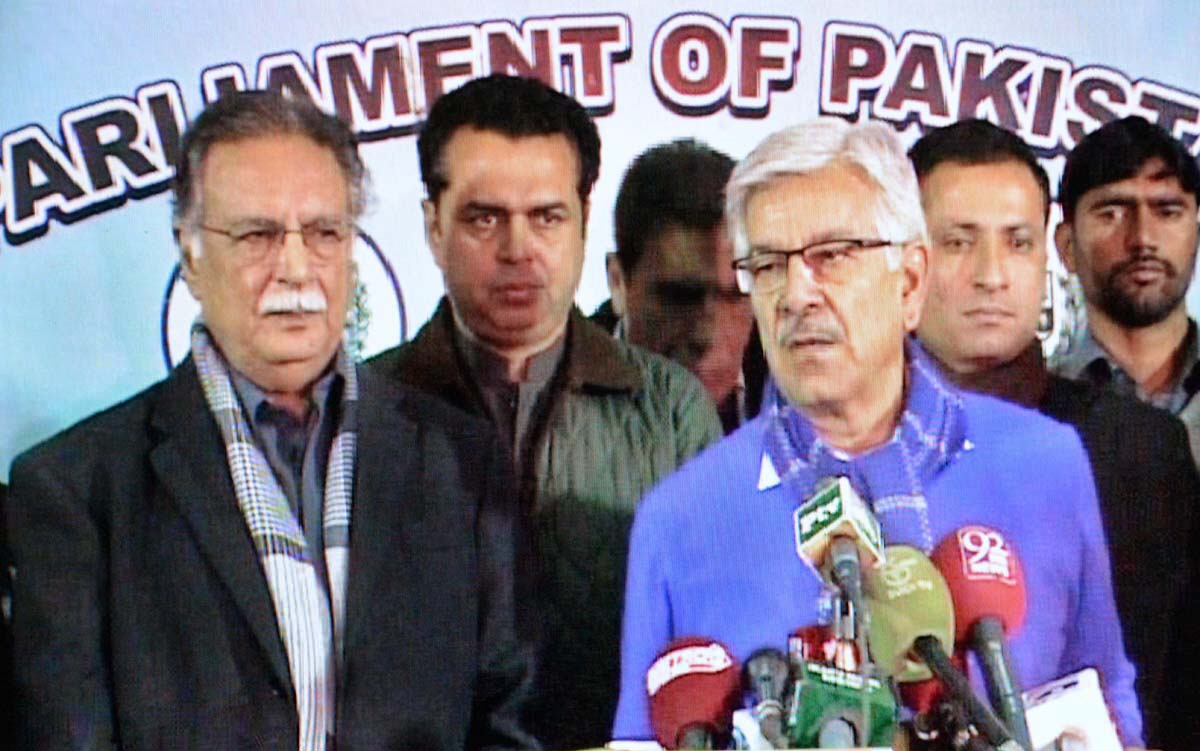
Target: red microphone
x: 694, y: 686
x: 987, y: 586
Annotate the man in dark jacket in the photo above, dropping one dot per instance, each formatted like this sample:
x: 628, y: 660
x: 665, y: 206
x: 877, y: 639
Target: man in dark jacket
x: 593, y: 423
x: 671, y: 278
x: 272, y: 548
x: 986, y: 201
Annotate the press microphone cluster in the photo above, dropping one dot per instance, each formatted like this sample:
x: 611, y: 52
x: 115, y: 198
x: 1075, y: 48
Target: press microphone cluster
x: 891, y: 621
x: 809, y: 698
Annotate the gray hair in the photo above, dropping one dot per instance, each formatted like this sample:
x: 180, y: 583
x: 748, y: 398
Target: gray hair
x: 808, y: 147
x: 251, y: 114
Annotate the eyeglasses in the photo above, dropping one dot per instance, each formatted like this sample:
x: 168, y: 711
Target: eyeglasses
x: 253, y: 242
x: 830, y: 261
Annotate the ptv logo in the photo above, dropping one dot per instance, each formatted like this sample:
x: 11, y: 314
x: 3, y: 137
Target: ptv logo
x: 985, y: 555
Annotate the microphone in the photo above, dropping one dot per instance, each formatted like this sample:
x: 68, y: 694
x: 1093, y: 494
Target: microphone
x: 766, y: 678
x: 836, y: 511
x: 915, y: 613
x: 909, y: 599
x: 829, y: 693
x: 981, y: 715
x: 836, y: 531
x: 987, y: 586
x: 693, y: 687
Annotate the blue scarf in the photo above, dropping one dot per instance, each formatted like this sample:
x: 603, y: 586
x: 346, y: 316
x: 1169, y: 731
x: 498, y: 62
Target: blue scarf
x: 890, y: 477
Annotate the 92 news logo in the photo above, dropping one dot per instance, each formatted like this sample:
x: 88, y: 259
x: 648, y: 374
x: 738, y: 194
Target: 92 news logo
x: 985, y: 555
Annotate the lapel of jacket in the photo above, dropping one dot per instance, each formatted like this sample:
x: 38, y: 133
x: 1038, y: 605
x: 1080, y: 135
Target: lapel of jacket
x: 385, y: 466
x: 189, y: 461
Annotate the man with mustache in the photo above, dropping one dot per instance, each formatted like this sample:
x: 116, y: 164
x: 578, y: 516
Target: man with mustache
x: 273, y: 548
x: 593, y: 423
x: 987, y: 201
x: 673, y: 290
x: 1129, y: 195
x: 831, y: 245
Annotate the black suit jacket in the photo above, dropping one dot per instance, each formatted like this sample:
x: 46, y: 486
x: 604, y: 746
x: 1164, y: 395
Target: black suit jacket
x: 1150, y: 498
x: 142, y: 617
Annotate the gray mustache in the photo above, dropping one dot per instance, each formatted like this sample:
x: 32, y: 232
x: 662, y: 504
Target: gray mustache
x: 804, y: 327
x: 306, y: 300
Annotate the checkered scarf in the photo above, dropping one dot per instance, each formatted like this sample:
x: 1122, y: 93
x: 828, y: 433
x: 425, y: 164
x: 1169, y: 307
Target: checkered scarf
x: 310, y: 620
x: 891, y: 477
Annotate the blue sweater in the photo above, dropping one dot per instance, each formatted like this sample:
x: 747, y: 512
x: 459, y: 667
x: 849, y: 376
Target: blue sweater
x: 713, y: 555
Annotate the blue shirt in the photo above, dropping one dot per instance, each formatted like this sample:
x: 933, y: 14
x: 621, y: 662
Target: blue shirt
x: 713, y: 554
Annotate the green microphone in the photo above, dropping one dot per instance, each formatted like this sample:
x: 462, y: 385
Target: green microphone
x: 908, y: 598
x: 914, y: 617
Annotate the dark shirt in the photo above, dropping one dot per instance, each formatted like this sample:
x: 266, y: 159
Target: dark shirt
x: 512, y: 407
x: 1149, y: 496
x: 298, y: 452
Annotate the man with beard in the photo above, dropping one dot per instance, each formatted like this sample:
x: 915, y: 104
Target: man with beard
x: 673, y: 289
x: 1129, y: 196
x: 986, y: 201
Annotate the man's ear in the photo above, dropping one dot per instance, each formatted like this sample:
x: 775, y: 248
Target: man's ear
x: 433, y: 233
x: 586, y: 212
x: 1065, y: 244
x: 187, y: 262
x: 616, y: 283
x: 914, y: 271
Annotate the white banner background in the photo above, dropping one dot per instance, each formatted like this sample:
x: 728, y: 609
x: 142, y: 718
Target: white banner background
x: 85, y: 271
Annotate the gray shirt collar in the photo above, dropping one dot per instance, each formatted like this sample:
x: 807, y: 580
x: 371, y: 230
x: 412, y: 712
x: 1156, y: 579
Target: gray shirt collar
x: 1089, y: 361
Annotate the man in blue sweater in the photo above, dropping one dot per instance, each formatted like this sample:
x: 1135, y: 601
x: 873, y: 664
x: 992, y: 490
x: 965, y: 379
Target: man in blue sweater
x: 827, y: 225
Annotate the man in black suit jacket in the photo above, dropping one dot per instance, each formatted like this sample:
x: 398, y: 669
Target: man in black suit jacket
x: 986, y: 202
x: 166, y: 599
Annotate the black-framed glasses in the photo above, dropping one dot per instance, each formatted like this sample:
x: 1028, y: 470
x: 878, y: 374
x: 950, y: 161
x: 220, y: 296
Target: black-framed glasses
x: 829, y: 261
x: 255, y: 241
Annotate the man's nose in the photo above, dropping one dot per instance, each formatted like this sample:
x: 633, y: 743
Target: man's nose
x: 990, y: 267
x: 515, y: 241
x: 293, y: 263
x: 1141, y: 230
x: 801, y: 289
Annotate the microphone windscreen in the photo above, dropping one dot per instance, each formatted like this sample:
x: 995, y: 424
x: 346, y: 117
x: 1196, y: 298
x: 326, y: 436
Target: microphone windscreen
x: 694, y: 682
x: 985, y: 578
x: 908, y: 599
x: 834, y: 510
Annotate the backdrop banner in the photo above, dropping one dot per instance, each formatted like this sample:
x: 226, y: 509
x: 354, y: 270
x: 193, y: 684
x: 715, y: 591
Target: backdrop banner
x: 96, y: 96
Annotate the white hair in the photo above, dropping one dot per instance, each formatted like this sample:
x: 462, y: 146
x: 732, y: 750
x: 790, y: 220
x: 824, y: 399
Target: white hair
x: 808, y: 147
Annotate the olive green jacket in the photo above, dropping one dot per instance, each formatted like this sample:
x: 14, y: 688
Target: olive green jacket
x: 620, y: 420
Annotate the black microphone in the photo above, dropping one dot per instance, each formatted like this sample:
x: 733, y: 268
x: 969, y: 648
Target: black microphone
x: 929, y: 649
x: 766, y: 677
x: 846, y: 570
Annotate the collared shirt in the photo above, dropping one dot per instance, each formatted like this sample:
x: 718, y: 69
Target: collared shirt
x: 1089, y: 361
x: 514, y: 408
x: 297, y: 452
